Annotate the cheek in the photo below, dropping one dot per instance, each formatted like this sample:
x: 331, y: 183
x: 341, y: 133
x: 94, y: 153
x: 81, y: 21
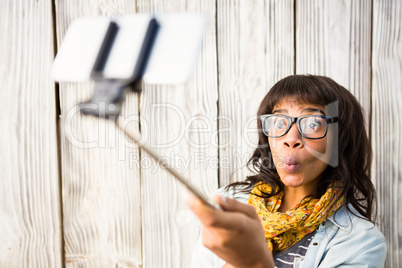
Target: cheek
x: 275, y: 152
x: 319, y: 154
x: 274, y: 146
x: 319, y: 146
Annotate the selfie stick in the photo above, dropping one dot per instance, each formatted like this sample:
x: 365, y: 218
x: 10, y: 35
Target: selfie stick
x: 164, y: 163
x: 110, y: 92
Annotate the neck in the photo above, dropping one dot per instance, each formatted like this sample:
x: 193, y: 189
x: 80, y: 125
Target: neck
x: 292, y: 197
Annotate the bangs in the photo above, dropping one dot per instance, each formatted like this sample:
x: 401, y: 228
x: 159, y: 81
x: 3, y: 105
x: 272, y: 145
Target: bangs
x: 305, y: 89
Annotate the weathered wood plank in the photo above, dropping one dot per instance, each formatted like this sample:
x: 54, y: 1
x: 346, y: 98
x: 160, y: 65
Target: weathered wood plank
x: 30, y: 212
x: 255, y: 50
x: 178, y: 122
x: 386, y: 125
x: 333, y: 38
x: 101, y: 179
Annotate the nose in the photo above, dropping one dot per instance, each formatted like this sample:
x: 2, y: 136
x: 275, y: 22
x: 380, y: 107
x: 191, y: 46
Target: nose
x: 293, y: 138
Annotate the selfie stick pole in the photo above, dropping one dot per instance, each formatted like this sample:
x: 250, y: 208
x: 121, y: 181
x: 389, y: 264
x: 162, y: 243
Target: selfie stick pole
x: 165, y: 164
x: 110, y: 92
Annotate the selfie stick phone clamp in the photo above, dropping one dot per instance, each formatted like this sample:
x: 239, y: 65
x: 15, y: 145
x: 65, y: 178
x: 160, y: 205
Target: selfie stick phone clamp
x: 108, y: 95
x: 110, y: 92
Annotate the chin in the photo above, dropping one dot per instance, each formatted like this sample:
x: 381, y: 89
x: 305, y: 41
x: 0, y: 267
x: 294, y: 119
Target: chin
x: 291, y: 180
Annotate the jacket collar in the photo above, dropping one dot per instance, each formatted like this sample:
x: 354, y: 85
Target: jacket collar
x: 343, y: 216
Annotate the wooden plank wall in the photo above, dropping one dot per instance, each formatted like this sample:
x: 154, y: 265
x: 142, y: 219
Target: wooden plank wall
x: 90, y: 198
x: 101, y: 186
x: 386, y: 127
x: 30, y: 207
x: 179, y: 124
x: 334, y: 47
x: 255, y: 49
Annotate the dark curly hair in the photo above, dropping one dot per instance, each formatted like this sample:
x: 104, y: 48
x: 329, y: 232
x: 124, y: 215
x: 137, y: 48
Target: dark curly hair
x: 354, y: 150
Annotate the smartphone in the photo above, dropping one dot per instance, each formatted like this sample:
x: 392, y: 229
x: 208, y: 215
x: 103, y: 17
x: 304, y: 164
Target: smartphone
x: 172, y: 61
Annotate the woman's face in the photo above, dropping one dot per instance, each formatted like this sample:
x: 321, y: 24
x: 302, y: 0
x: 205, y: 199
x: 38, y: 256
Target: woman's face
x: 295, y: 157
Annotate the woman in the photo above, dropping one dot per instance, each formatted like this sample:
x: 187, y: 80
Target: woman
x: 311, y: 202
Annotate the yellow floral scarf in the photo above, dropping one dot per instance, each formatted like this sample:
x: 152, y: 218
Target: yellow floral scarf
x: 282, y: 230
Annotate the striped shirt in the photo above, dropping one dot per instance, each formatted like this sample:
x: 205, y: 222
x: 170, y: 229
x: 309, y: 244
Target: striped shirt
x: 285, y: 259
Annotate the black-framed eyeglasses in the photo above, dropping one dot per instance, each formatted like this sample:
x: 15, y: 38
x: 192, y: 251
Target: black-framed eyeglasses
x: 310, y: 126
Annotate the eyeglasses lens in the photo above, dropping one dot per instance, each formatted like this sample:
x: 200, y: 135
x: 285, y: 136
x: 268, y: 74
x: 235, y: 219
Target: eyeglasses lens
x: 276, y: 126
x: 311, y: 126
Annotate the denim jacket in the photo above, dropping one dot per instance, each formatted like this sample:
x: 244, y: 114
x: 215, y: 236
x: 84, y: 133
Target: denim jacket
x: 343, y: 240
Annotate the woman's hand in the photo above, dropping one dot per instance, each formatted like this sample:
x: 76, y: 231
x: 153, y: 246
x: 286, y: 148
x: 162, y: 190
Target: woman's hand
x: 234, y: 234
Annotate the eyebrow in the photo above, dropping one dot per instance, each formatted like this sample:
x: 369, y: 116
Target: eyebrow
x: 304, y: 110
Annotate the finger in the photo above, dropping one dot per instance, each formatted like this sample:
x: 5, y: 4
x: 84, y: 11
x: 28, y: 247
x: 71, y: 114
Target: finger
x: 204, y: 212
x: 194, y: 203
x: 212, y: 217
x: 233, y: 214
x: 232, y: 205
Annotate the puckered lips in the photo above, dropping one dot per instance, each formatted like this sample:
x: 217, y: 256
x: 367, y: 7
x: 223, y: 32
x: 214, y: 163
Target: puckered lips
x: 291, y: 164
